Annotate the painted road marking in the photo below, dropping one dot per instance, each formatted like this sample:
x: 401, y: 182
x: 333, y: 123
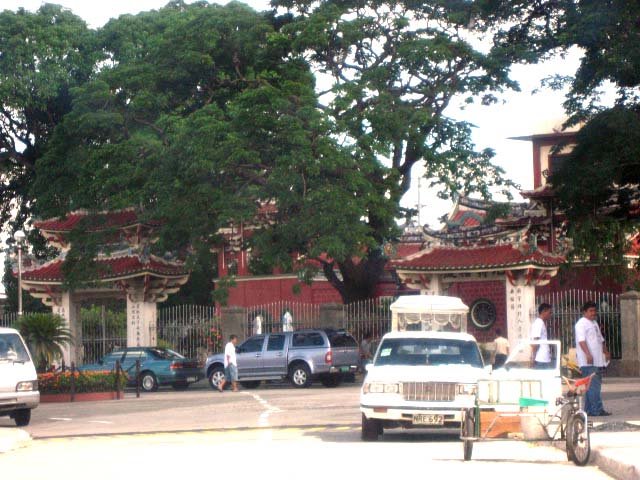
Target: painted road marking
x: 61, y: 419
x: 263, y: 419
x: 100, y: 421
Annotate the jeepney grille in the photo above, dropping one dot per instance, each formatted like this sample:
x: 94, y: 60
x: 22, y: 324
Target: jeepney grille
x: 429, y: 391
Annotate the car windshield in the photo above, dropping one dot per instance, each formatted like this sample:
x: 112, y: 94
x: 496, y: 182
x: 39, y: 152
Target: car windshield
x: 165, y: 354
x: 12, y: 348
x: 428, y: 351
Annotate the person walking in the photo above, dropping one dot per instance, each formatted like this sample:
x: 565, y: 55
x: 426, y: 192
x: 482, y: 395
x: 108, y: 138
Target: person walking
x: 593, y: 356
x: 541, y: 353
x: 230, y: 365
x: 502, y: 349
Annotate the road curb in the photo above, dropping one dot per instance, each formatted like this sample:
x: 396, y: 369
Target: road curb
x: 615, y: 468
x: 12, y: 439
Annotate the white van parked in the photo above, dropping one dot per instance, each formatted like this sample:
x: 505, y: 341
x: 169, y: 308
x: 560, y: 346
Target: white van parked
x: 18, y: 379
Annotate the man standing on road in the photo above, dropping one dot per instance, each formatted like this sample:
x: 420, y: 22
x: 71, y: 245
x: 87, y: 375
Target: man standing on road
x: 593, y: 356
x: 541, y: 353
x: 230, y: 365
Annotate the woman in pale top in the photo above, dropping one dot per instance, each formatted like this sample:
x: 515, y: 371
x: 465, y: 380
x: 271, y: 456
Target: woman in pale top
x: 502, y: 349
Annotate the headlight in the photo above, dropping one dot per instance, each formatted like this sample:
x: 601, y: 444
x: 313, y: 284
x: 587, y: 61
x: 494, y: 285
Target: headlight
x: 466, y: 389
x: 27, y: 386
x: 379, y: 387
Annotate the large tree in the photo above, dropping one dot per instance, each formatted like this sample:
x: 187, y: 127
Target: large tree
x: 42, y: 56
x: 598, y: 184
x: 202, y: 114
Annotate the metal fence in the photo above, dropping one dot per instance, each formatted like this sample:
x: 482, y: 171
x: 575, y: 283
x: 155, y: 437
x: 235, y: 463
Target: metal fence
x: 8, y: 319
x: 192, y: 330
x: 281, y: 316
x: 104, y: 329
x: 567, y: 307
x: 368, y: 316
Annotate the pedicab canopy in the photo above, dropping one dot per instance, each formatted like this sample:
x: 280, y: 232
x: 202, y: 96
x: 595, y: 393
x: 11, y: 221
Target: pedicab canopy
x: 429, y: 312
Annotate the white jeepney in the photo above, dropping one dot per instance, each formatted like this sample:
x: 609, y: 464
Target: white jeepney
x: 425, y: 371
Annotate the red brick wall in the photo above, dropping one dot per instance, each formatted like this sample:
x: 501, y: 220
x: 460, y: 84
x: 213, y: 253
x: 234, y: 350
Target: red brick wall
x: 584, y: 278
x: 492, y: 290
x: 257, y: 291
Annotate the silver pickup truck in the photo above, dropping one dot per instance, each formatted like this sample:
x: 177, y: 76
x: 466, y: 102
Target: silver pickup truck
x: 300, y: 356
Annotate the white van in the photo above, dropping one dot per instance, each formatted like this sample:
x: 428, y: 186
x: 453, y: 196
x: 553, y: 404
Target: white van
x: 18, y: 379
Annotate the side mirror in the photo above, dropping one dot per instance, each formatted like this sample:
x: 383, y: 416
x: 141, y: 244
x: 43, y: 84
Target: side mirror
x: 367, y: 367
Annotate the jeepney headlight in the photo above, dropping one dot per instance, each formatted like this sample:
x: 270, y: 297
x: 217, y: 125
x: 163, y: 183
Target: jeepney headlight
x: 466, y: 389
x: 379, y: 387
x: 27, y: 386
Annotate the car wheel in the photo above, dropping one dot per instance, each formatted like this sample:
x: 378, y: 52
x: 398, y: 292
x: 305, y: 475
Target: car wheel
x: 300, y: 375
x: 371, y: 429
x: 148, y: 382
x: 180, y: 386
x: 216, y: 377
x: 250, y: 385
x: 331, y: 381
x: 22, y: 417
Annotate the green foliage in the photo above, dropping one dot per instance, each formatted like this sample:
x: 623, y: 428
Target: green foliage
x: 598, y: 184
x: 112, y: 319
x: 46, y: 335
x: 85, y: 382
x: 10, y: 282
x: 44, y: 55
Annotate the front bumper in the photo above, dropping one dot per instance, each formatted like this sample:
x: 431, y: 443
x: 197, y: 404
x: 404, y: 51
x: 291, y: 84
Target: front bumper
x: 10, y: 402
x: 452, y: 416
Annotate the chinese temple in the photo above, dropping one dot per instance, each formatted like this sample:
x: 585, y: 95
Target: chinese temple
x: 127, y: 272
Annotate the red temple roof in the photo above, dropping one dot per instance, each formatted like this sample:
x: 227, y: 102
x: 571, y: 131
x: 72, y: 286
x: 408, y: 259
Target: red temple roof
x: 102, y: 221
x: 110, y: 268
x: 475, y: 258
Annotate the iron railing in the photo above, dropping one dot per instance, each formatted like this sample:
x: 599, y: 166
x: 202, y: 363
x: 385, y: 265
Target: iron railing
x: 567, y: 306
x: 191, y: 330
x: 281, y: 316
x: 371, y: 316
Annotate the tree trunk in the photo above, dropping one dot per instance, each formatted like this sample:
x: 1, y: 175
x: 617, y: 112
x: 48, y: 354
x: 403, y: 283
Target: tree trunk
x: 360, y: 277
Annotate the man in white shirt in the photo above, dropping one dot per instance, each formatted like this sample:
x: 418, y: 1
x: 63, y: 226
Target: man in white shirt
x: 593, y: 356
x: 230, y: 365
x: 541, y: 353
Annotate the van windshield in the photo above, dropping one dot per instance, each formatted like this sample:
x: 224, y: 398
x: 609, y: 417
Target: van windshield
x: 428, y: 351
x: 12, y: 348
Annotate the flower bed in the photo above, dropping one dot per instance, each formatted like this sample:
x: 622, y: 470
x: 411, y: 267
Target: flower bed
x: 84, y: 382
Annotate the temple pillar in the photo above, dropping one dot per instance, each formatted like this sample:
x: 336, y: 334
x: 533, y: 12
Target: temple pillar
x: 67, y: 308
x: 521, y: 304
x: 142, y: 321
x: 431, y: 285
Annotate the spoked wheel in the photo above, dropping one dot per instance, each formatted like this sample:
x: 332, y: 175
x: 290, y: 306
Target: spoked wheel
x: 468, y: 430
x: 578, y: 442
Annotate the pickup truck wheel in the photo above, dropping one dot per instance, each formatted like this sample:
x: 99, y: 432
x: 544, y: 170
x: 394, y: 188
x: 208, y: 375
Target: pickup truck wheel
x: 249, y: 385
x: 331, y: 381
x: 22, y: 417
x: 371, y: 429
x: 300, y: 375
x: 216, y: 376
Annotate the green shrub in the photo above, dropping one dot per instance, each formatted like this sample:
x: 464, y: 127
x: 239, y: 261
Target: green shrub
x: 86, y: 382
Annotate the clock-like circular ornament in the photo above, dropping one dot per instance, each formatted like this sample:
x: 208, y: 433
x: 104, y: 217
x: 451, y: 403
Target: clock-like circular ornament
x: 483, y: 314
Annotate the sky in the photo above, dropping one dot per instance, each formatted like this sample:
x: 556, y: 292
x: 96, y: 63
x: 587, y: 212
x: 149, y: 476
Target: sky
x: 517, y: 113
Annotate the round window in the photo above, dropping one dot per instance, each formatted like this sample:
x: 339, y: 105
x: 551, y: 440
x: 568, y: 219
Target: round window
x: 483, y: 314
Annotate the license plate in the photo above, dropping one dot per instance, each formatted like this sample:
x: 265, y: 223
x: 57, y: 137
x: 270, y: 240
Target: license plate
x: 192, y: 379
x: 422, y: 419
x: 344, y: 369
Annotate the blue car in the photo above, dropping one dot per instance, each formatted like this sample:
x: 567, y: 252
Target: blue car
x: 158, y: 366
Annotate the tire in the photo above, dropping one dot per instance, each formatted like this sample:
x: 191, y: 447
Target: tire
x: 331, y: 381
x: 180, y: 386
x: 216, y: 375
x: 250, y: 385
x: 371, y: 429
x: 578, y: 442
x: 22, y: 417
x: 148, y: 382
x: 300, y: 375
x: 469, y: 431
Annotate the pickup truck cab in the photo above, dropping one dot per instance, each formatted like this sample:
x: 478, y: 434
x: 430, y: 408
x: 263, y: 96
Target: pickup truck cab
x: 301, y: 356
x: 18, y: 379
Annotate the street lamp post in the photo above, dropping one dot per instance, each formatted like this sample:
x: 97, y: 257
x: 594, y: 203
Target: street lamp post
x: 19, y: 237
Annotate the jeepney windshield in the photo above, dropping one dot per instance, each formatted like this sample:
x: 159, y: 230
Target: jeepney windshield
x: 428, y: 351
